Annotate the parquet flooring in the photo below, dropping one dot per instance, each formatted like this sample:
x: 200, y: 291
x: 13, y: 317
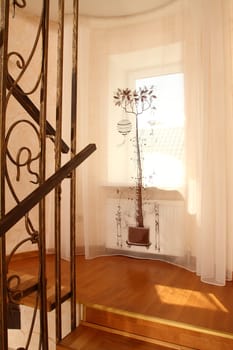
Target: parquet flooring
x: 152, y: 288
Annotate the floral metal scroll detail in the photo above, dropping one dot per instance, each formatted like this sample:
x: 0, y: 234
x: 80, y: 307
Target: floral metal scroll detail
x: 17, y: 3
x: 22, y: 64
x: 19, y: 162
x: 22, y: 159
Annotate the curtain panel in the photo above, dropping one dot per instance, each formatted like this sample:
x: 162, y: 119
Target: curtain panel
x: 190, y: 226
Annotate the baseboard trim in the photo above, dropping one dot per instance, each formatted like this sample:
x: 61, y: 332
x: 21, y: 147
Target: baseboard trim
x: 24, y: 255
x: 35, y: 254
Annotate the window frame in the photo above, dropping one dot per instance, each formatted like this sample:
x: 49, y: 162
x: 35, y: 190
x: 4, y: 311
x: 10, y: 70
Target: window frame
x: 150, y: 73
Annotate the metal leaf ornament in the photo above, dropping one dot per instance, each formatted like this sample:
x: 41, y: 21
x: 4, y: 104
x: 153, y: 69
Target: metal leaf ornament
x: 135, y: 101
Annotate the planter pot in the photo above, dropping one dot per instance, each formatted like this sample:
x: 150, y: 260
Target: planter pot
x: 138, y: 236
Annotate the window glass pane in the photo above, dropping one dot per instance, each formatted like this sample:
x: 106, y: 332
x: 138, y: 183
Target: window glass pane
x: 162, y: 133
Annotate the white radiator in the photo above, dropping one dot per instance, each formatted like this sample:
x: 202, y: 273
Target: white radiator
x: 165, y: 220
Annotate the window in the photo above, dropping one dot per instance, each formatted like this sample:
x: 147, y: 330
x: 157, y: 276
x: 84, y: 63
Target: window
x: 162, y: 133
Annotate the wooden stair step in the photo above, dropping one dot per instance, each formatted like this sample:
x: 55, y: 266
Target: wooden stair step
x: 65, y: 295
x: 178, y: 335
x: 26, y: 291
x: 89, y: 338
x: 22, y: 285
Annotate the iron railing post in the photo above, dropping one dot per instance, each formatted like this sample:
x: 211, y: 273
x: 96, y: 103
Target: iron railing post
x: 73, y: 213
x: 42, y: 173
x: 4, y: 24
x: 60, y: 42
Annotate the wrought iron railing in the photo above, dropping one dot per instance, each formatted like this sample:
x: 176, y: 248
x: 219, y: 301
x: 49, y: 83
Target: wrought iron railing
x: 32, y: 161
x: 32, y: 110
x: 19, y: 211
x: 22, y: 208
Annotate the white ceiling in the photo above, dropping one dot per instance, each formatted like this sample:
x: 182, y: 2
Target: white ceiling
x: 109, y: 8
x: 100, y: 8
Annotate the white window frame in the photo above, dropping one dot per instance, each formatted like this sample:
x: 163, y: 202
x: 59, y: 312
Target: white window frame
x: 163, y: 148
x: 124, y: 69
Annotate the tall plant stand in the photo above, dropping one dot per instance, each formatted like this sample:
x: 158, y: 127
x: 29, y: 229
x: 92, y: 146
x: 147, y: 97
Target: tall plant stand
x: 136, y: 103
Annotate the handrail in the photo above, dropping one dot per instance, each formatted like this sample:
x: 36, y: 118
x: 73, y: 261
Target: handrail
x: 32, y: 110
x: 15, y: 214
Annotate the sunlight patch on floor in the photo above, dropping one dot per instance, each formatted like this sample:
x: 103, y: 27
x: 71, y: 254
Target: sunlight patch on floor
x: 195, y: 299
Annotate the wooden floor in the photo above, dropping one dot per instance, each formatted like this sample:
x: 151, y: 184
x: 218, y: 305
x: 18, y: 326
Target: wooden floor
x: 146, y: 287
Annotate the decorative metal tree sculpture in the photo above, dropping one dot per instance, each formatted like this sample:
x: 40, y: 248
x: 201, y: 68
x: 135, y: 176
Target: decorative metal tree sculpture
x: 136, y: 102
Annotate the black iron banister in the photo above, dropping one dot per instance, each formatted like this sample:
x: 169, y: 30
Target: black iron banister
x: 31, y: 109
x: 15, y: 214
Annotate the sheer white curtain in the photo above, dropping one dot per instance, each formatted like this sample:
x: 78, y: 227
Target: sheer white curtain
x: 195, y: 36
x: 208, y: 72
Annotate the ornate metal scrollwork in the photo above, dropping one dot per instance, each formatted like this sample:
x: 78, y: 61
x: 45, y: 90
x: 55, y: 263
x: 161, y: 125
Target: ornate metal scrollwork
x: 23, y: 158
x: 17, y: 3
x: 29, y: 159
